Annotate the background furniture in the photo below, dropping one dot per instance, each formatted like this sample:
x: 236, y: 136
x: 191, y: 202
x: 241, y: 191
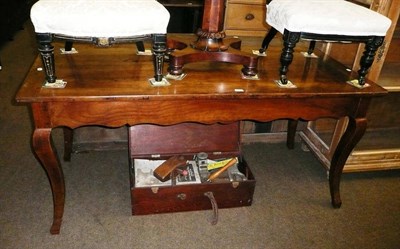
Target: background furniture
x: 13, y: 14
x: 245, y: 18
x: 186, y: 15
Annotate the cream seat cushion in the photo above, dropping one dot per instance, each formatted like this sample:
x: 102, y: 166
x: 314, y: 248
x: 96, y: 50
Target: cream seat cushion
x: 99, y: 18
x: 335, y: 17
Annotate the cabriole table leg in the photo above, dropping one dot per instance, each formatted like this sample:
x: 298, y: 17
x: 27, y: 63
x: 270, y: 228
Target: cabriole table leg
x: 42, y: 146
x: 354, y: 131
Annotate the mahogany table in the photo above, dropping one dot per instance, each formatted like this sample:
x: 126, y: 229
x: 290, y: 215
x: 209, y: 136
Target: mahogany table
x: 109, y: 87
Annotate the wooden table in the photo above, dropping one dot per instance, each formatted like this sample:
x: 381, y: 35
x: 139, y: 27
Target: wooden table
x: 109, y: 87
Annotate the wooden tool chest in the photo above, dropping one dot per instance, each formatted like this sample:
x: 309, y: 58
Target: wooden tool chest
x: 151, y: 143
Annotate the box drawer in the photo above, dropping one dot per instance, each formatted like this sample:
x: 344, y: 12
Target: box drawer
x: 150, y: 145
x: 191, y: 197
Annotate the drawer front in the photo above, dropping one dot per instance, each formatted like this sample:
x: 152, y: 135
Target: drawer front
x: 185, y: 138
x: 260, y: 2
x: 190, y: 197
x: 245, y: 17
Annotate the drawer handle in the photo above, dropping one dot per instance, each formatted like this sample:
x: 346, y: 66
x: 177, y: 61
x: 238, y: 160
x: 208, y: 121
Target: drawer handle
x: 249, y: 17
x: 214, y: 205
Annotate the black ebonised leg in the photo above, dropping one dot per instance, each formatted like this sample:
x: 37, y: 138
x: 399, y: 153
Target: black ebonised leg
x: 311, y: 47
x: 159, y: 50
x: 368, y: 57
x: 47, y: 53
x: 140, y: 46
x: 68, y: 45
x: 289, y: 42
x: 267, y: 39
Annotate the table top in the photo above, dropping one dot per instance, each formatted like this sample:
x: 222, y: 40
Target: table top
x: 119, y: 74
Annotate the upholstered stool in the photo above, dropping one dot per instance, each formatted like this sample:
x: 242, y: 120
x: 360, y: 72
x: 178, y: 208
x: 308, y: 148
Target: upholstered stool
x: 102, y: 22
x: 324, y: 20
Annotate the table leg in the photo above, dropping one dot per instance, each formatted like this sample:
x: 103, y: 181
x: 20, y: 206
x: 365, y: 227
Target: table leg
x: 353, y: 133
x: 291, y: 133
x: 43, y: 148
x: 68, y: 141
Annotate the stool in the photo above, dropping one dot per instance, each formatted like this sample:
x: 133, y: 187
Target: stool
x: 324, y: 20
x: 102, y: 22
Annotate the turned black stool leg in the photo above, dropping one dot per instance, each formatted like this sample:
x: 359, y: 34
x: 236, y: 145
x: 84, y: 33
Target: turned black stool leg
x: 159, y: 50
x: 68, y: 45
x: 47, y: 54
x: 368, y: 57
x: 289, y: 42
x: 140, y: 46
x: 267, y: 39
x: 311, y: 47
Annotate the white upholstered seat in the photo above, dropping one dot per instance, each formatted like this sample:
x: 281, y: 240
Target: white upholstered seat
x: 99, y: 18
x: 319, y: 20
x: 112, y: 21
x: 336, y: 17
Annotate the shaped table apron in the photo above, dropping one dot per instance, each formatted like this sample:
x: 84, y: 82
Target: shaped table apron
x: 116, y: 113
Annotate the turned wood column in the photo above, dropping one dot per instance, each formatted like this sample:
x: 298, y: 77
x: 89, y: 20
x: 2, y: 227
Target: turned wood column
x: 211, y: 34
x: 213, y: 16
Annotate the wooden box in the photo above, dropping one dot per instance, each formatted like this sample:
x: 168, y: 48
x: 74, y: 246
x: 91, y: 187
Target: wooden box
x: 152, y: 142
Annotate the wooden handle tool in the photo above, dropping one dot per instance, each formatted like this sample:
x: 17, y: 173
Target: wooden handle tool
x: 218, y: 172
x: 163, y: 172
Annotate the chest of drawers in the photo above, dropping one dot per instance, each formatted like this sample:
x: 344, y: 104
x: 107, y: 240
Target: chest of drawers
x: 245, y: 18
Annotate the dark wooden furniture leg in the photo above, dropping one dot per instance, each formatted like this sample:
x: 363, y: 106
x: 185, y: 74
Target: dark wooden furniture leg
x: 42, y: 146
x: 311, y: 47
x: 140, y: 46
x: 47, y: 156
x: 372, y: 43
x: 291, y: 133
x: 267, y: 39
x: 354, y: 131
x: 271, y: 34
x: 68, y: 142
x: 210, y: 45
x: 368, y: 57
x: 68, y: 45
x: 159, y: 51
x: 47, y: 54
x: 290, y: 40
